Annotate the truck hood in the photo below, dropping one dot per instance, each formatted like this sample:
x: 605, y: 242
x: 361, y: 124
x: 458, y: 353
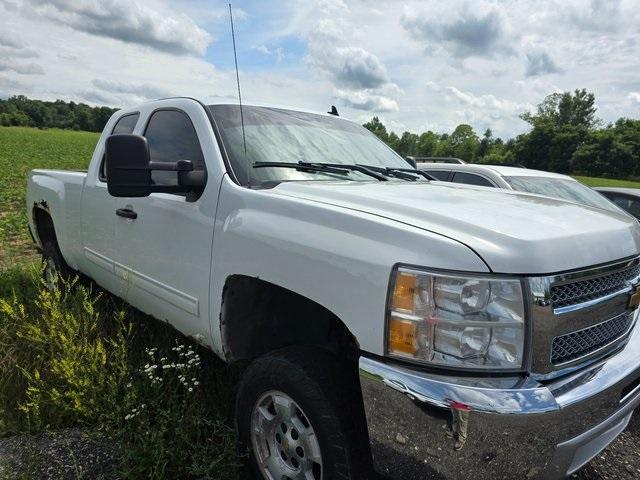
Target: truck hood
x: 512, y: 232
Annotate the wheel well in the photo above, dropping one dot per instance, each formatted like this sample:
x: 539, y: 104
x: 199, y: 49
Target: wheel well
x: 258, y: 317
x: 44, y: 225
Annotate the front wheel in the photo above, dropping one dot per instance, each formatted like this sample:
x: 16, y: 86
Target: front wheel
x: 56, y: 271
x: 298, y: 418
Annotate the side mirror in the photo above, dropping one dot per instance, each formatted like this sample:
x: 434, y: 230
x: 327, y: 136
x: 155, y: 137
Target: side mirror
x: 127, y: 160
x: 412, y: 161
x: 129, y: 169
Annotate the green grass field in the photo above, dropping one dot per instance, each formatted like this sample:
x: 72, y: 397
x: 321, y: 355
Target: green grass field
x: 607, y: 182
x: 21, y: 150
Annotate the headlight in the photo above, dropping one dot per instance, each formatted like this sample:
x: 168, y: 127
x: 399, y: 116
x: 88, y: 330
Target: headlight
x: 464, y: 321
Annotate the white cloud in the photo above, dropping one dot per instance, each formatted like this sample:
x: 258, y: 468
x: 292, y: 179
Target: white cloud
x: 128, y: 21
x: 263, y: 49
x: 10, y: 65
x: 468, y: 34
x: 540, y: 63
x: 277, y: 53
x: 360, y: 79
x: 487, y: 101
x: 351, y: 67
x: 635, y: 96
x: 366, y: 100
x: 142, y: 90
x: 7, y: 40
x: 595, y: 15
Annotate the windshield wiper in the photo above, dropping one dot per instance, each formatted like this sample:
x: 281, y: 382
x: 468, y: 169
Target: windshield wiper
x: 302, y: 166
x: 338, y: 168
x: 403, y: 173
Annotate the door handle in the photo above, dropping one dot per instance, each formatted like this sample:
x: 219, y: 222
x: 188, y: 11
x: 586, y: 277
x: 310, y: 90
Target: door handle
x: 126, y: 213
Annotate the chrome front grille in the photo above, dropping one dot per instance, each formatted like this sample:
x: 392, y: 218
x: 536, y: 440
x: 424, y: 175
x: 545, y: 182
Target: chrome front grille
x: 580, y: 315
x: 572, y: 346
x: 585, y: 290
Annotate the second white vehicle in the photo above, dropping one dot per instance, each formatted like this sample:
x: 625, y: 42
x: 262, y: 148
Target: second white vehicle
x: 549, y: 184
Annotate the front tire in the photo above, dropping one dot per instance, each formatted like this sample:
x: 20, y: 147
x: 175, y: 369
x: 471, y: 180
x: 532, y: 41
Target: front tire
x: 298, y: 416
x: 55, y: 271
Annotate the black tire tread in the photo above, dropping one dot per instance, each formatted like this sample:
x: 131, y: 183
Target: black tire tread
x: 332, y: 384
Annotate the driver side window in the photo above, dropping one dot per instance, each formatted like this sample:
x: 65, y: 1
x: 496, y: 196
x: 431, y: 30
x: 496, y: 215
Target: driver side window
x: 172, y: 137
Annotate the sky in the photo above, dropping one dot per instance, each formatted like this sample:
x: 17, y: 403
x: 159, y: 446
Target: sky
x: 417, y: 65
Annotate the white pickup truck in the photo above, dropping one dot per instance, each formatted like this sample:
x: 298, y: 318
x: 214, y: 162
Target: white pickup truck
x: 387, y: 323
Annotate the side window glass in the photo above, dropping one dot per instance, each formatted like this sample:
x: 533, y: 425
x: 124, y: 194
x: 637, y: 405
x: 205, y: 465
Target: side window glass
x: 125, y: 124
x: 439, y: 174
x: 471, y: 179
x: 172, y: 137
x: 620, y: 201
x: 626, y: 203
x: 634, y: 208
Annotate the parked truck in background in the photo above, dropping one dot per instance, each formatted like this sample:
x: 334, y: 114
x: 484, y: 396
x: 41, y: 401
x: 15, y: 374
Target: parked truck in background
x: 415, y: 328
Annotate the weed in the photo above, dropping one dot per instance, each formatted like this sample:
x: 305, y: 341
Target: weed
x: 166, y: 436
x: 79, y: 357
x: 63, y: 362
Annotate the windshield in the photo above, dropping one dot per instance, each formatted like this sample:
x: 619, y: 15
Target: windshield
x: 276, y: 135
x: 565, y: 189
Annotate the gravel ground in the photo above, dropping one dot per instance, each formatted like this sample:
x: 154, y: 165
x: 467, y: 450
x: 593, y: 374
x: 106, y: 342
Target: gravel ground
x: 72, y: 454
x: 76, y: 454
x: 620, y: 461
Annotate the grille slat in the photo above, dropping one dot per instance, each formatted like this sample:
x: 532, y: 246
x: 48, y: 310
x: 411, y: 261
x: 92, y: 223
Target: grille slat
x: 572, y: 346
x: 592, y: 289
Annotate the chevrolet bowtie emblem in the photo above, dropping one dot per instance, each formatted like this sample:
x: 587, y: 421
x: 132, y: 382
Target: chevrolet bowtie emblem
x: 634, y: 299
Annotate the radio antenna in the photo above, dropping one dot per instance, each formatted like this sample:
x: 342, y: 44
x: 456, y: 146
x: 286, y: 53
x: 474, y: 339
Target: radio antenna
x: 235, y: 57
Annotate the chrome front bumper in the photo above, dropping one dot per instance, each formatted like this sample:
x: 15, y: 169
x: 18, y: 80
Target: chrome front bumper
x: 517, y: 427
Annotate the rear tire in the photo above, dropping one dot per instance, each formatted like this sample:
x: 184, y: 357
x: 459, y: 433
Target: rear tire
x: 299, y: 416
x: 56, y: 271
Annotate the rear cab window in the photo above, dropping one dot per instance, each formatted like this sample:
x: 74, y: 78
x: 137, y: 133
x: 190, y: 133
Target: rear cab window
x: 125, y: 124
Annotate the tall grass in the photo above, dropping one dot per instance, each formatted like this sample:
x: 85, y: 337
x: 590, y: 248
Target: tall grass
x: 79, y: 357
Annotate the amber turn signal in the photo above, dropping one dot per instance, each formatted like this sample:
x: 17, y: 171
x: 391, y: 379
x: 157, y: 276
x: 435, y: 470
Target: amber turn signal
x: 402, y: 336
x: 403, y: 292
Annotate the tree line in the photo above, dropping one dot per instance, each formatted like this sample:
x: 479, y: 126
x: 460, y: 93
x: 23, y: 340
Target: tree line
x: 565, y: 137
x: 25, y: 112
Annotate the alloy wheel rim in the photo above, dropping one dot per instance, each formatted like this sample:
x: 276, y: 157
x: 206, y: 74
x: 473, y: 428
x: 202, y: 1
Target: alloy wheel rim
x: 285, y: 444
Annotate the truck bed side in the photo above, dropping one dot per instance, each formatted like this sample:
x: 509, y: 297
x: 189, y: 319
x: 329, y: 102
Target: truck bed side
x: 58, y: 193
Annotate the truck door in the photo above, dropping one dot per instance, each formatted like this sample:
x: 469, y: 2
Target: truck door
x: 98, y: 222
x: 164, y: 241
